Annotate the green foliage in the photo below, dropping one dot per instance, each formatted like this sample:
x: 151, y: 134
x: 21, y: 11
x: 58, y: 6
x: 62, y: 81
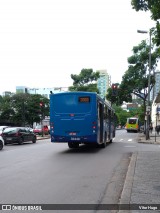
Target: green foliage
x: 23, y: 109
x: 135, y: 79
x: 122, y: 95
x: 85, y: 81
x: 154, y: 7
x: 144, y: 5
x: 122, y: 115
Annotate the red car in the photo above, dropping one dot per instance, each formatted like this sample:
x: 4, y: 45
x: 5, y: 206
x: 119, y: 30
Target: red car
x: 38, y: 130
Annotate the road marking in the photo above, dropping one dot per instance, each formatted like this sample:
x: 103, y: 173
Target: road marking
x: 129, y: 139
x: 121, y: 140
x: 129, y: 146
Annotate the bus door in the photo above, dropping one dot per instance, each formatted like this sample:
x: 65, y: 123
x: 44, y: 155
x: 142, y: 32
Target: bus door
x: 100, y: 122
x: 109, y: 124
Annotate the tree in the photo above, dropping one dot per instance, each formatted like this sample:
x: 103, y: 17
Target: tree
x: 122, y: 95
x: 36, y: 112
x: 6, y: 111
x: 122, y: 114
x: 83, y: 81
x: 135, y: 79
x: 23, y: 109
x: 154, y: 7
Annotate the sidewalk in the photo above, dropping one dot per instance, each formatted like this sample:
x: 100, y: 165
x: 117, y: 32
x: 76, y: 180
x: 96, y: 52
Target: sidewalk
x: 44, y: 137
x: 154, y: 138
x: 142, y: 184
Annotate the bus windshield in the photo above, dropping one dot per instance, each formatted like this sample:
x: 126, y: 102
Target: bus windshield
x: 132, y: 121
x: 70, y: 103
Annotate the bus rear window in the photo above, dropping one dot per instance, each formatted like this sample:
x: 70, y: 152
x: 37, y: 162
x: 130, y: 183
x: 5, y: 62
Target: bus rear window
x: 132, y: 121
x: 72, y: 104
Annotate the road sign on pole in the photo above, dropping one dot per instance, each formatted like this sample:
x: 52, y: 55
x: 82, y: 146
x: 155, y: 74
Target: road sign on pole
x: 148, y: 108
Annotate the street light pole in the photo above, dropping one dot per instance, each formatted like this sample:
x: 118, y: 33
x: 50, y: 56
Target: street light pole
x: 149, y: 82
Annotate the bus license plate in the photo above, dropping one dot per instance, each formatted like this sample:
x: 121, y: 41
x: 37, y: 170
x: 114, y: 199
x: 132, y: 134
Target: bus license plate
x: 75, y: 139
x: 8, y: 139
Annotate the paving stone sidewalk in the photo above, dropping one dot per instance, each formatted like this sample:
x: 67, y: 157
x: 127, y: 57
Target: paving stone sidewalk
x: 154, y: 138
x: 142, y: 185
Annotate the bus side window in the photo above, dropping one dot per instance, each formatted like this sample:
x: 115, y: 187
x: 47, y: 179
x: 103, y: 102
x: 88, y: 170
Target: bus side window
x: 112, y: 116
x: 105, y: 112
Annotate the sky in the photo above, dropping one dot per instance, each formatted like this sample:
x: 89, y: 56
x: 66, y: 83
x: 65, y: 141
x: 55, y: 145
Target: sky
x: 43, y: 42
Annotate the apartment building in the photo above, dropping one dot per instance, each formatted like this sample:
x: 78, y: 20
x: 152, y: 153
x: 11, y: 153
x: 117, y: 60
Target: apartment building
x: 103, y: 83
x: 156, y: 89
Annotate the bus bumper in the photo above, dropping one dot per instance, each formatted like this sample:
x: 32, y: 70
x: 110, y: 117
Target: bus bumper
x: 66, y: 139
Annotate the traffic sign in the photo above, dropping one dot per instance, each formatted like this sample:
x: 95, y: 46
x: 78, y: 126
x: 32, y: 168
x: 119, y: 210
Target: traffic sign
x: 148, y: 108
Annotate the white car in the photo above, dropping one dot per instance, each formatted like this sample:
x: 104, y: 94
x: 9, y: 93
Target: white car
x: 1, y: 143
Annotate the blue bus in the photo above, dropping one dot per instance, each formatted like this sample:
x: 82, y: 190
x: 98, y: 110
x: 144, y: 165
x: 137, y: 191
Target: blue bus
x: 81, y: 118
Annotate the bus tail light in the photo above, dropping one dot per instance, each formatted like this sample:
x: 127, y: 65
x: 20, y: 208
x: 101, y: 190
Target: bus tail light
x: 72, y: 115
x: 94, y: 126
x: 51, y: 127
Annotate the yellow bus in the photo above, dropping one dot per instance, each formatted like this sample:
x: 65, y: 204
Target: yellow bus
x: 132, y: 124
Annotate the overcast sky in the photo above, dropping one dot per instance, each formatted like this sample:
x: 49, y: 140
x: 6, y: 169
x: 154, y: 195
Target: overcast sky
x: 43, y: 42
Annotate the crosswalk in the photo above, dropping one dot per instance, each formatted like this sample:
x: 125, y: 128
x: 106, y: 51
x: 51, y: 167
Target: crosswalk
x: 123, y: 140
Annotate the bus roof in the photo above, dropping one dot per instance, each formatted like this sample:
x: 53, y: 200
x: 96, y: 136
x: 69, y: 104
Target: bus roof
x: 87, y: 93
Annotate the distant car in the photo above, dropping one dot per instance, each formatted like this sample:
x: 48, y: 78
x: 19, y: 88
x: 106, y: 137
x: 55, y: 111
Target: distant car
x: 49, y: 129
x: 38, y: 130
x: 18, y: 135
x: 1, y: 143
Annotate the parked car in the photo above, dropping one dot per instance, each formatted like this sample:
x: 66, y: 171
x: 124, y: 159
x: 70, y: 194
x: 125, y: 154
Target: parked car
x: 38, y: 130
x: 2, y: 128
x: 30, y: 129
x: 1, y: 143
x: 49, y: 129
x: 18, y: 135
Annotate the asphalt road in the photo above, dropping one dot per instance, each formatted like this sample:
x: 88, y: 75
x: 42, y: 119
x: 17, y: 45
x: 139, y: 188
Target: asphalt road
x: 47, y: 173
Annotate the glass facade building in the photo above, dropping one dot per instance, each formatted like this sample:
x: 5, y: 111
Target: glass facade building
x: 103, y: 83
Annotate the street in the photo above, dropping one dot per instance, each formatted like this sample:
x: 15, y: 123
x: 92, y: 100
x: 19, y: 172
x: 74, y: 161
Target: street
x: 47, y: 173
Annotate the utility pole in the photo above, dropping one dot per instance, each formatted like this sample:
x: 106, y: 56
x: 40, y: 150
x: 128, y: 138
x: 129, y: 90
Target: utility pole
x: 148, y: 108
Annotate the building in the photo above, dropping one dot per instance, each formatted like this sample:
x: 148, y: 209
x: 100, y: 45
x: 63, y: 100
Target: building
x: 103, y: 83
x: 132, y: 106
x: 7, y: 93
x: 21, y: 89
x: 155, y: 113
x: 41, y: 91
x: 156, y: 89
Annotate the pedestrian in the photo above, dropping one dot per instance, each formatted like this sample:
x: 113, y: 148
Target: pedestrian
x: 157, y: 128
x: 151, y: 128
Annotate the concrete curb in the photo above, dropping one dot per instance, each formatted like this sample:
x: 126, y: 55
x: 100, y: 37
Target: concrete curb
x: 127, y: 189
x: 42, y: 138
x: 150, y: 141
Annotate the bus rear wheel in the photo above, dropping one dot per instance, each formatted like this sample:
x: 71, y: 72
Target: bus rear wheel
x: 103, y: 145
x: 73, y: 145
